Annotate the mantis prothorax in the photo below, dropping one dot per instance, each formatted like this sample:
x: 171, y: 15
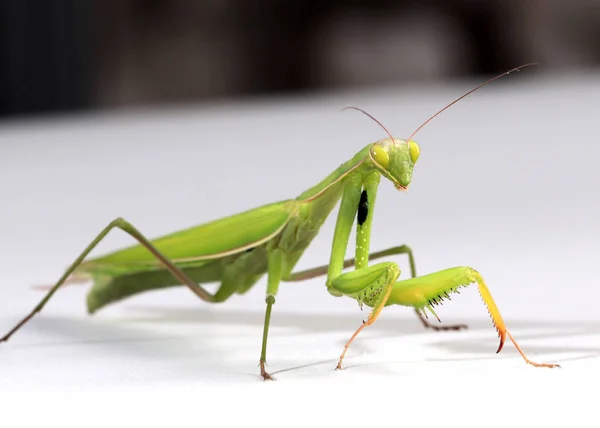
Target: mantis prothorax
x: 238, y: 250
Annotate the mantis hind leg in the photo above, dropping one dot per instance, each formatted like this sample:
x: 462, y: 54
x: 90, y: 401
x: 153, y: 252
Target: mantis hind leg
x: 402, y: 249
x: 122, y: 224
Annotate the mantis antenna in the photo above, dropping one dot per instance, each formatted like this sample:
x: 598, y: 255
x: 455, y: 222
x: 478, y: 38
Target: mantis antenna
x: 469, y: 93
x: 448, y: 106
x: 376, y: 121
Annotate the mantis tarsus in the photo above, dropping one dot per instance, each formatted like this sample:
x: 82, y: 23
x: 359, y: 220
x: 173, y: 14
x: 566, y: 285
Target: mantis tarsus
x: 238, y: 250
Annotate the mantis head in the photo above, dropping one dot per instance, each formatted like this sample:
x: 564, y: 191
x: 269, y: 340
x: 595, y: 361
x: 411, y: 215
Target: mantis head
x: 395, y: 160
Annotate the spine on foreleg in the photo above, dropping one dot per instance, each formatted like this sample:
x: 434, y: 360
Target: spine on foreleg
x: 427, y: 291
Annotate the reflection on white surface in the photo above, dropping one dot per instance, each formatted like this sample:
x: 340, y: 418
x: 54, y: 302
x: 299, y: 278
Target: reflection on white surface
x: 185, y: 344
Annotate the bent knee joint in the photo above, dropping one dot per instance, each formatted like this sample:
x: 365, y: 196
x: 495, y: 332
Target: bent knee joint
x: 393, y: 272
x: 120, y: 222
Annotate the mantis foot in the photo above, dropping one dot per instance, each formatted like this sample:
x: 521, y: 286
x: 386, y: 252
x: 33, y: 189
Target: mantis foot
x: 550, y: 366
x: 453, y: 327
x: 263, y: 372
x: 527, y: 360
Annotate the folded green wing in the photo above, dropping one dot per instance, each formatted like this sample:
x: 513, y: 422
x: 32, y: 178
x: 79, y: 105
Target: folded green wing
x: 216, y: 239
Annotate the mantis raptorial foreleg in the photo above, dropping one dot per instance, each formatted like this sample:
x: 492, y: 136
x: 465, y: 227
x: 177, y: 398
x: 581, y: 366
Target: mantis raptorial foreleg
x: 392, y: 251
x: 127, y: 227
x: 430, y: 290
x: 366, y: 284
x: 370, y: 285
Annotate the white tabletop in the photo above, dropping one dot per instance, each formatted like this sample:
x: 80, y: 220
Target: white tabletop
x: 507, y: 183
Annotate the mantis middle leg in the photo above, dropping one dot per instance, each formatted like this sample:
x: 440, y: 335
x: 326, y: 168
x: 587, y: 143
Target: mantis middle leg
x: 276, y: 261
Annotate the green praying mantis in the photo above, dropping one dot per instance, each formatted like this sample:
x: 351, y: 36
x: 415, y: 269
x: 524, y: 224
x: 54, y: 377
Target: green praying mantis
x: 238, y: 250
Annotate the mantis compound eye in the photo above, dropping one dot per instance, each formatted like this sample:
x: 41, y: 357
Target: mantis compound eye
x: 380, y: 155
x: 414, y: 151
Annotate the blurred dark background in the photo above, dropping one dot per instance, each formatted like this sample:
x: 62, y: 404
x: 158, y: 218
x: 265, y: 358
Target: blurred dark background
x: 67, y: 55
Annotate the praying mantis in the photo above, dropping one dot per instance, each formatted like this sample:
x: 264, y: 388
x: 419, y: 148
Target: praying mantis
x: 239, y: 250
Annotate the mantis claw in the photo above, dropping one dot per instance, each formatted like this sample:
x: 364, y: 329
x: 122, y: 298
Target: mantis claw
x: 263, y: 372
x: 527, y: 360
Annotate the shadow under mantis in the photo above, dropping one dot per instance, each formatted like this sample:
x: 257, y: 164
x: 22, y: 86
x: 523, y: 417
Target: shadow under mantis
x: 124, y: 336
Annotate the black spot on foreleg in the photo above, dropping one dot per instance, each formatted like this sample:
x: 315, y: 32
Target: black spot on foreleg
x: 363, y: 208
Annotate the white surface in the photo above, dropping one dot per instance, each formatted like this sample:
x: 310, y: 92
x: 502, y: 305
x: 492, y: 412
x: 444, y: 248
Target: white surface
x: 507, y: 183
